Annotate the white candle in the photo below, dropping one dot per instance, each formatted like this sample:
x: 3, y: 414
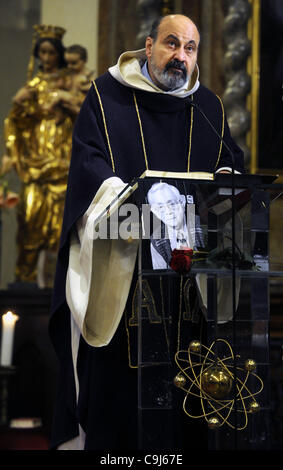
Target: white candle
x: 8, y: 327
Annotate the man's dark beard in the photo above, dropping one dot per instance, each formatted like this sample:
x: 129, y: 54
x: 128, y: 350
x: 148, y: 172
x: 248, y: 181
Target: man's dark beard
x: 168, y: 77
x: 177, y: 64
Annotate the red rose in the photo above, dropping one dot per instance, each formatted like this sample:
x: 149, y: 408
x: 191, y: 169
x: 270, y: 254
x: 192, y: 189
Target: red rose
x: 181, y: 260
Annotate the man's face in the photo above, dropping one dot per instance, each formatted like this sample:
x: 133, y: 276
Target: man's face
x: 74, y: 62
x: 172, y: 56
x: 167, y: 207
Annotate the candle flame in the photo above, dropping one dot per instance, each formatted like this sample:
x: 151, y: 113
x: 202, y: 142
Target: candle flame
x: 10, y: 317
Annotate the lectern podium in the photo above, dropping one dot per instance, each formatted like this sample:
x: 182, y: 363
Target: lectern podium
x: 203, y: 330
x: 198, y: 316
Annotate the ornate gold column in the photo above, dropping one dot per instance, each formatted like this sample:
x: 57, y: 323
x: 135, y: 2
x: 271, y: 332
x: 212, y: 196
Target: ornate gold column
x: 253, y: 69
x: 237, y: 80
x: 149, y: 11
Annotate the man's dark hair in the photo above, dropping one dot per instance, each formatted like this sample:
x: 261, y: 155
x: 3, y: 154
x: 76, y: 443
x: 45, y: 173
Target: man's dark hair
x: 77, y: 49
x: 154, y: 28
x: 155, y: 25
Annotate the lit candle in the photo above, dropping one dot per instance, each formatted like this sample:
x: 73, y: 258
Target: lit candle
x: 8, y: 327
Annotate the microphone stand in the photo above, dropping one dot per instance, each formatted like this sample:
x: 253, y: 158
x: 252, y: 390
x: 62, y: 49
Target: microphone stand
x: 194, y: 105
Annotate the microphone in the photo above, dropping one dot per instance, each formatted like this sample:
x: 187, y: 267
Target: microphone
x: 196, y: 106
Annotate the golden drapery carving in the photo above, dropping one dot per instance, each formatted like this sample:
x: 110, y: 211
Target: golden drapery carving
x: 38, y: 143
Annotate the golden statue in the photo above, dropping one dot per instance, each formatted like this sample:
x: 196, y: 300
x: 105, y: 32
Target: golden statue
x: 80, y: 79
x: 76, y: 58
x: 38, y: 133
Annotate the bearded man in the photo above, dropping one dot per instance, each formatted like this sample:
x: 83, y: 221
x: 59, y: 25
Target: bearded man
x: 136, y: 117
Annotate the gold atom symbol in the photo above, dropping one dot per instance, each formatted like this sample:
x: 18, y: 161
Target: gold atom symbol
x: 213, y: 380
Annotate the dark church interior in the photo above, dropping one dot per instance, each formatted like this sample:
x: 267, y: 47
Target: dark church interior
x: 240, y: 59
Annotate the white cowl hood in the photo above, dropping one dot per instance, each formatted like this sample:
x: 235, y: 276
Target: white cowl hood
x: 128, y: 71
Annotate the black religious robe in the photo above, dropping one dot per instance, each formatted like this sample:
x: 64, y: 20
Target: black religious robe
x: 110, y: 138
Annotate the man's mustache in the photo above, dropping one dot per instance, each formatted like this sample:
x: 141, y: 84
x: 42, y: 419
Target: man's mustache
x: 176, y: 64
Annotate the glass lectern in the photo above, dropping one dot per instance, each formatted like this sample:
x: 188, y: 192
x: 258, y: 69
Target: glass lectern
x: 202, y: 306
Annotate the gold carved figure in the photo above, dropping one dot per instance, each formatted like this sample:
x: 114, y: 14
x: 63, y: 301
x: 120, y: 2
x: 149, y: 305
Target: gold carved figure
x: 38, y: 135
